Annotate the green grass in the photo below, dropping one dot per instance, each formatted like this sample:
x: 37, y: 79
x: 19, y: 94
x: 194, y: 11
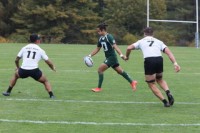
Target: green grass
x: 115, y: 110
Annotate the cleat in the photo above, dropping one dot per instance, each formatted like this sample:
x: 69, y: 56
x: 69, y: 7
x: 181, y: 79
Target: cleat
x: 52, y: 97
x: 171, y: 99
x: 134, y: 85
x: 96, y: 89
x: 6, y: 93
x: 166, y: 104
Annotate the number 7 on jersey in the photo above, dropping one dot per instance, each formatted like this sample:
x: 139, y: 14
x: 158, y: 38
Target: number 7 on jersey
x: 151, y: 43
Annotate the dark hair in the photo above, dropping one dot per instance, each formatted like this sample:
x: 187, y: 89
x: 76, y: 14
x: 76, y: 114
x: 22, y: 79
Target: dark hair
x: 148, y: 31
x: 34, y: 38
x: 102, y: 26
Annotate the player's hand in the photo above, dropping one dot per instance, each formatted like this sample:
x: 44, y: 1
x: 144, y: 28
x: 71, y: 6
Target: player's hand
x: 123, y: 57
x: 127, y: 58
x: 177, y: 68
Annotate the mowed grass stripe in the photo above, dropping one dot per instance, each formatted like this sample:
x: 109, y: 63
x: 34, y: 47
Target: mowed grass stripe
x: 95, y: 71
x: 88, y: 101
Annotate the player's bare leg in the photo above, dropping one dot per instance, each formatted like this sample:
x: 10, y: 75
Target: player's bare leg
x: 164, y: 86
x: 156, y: 91
x: 47, y: 85
x: 150, y: 79
x: 12, y: 84
x: 162, y: 83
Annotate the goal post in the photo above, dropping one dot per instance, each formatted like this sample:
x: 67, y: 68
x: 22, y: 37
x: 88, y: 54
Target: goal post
x: 178, y: 21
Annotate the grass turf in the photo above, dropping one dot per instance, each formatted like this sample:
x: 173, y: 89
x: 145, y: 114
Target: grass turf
x: 115, y: 110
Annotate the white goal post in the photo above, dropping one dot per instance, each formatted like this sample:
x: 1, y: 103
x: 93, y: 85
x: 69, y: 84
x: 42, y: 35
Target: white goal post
x: 178, y: 21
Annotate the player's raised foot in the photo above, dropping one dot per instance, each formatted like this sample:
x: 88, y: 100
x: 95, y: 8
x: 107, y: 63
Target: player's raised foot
x: 134, y: 85
x: 171, y: 99
x: 96, y: 89
x: 166, y: 104
x: 6, y: 93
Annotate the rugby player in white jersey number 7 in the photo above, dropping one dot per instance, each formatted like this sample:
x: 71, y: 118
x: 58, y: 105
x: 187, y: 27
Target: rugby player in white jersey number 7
x: 153, y: 63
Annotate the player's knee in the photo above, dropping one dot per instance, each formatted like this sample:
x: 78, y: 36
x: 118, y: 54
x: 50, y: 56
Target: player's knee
x: 150, y: 81
x: 119, y: 72
x: 100, y: 72
x: 42, y: 79
x: 158, y: 77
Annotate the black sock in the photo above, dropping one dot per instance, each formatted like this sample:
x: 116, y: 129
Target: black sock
x: 167, y: 92
x: 9, y: 89
x: 164, y: 101
x: 50, y: 93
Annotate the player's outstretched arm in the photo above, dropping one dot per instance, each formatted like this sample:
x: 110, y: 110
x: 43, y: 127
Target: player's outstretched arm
x: 128, y: 51
x: 17, y: 62
x: 50, y: 64
x: 119, y: 51
x: 95, y: 51
x: 177, y: 68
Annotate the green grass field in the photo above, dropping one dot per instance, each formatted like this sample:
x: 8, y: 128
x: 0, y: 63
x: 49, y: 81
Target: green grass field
x: 114, y: 110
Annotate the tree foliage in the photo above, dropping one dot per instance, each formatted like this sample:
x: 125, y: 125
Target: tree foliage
x: 132, y: 15
x: 7, y: 9
x: 59, y: 19
x: 75, y: 21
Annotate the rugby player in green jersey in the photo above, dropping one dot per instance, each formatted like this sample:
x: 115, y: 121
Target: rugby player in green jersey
x: 109, y: 45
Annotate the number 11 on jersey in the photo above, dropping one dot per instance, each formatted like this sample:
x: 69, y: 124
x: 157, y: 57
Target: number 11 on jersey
x: 29, y: 52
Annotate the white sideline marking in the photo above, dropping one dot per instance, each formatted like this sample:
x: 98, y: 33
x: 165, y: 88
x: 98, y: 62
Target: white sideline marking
x: 95, y: 123
x: 86, y: 101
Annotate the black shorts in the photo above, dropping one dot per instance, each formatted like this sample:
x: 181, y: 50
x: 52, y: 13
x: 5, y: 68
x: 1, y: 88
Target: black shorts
x: 153, y: 65
x: 34, y: 73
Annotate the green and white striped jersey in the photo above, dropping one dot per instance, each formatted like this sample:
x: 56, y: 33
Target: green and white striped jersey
x: 107, y: 43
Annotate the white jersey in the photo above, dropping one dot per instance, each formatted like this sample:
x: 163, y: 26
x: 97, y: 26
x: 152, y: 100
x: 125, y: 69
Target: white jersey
x: 150, y: 46
x: 31, y: 55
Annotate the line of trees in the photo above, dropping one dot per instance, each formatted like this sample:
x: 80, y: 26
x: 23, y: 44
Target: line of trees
x: 75, y: 21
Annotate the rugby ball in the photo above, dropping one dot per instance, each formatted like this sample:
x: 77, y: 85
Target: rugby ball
x: 88, y: 61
